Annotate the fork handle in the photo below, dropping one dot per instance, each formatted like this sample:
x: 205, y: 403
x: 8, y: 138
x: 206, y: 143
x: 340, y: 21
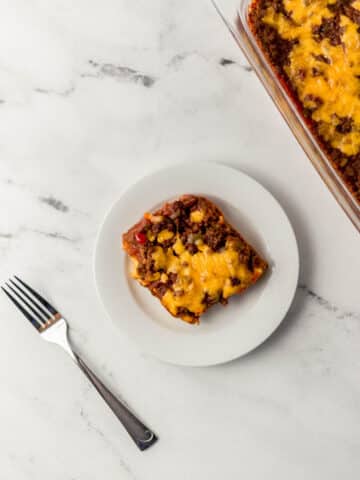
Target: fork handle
x: 142, y: 435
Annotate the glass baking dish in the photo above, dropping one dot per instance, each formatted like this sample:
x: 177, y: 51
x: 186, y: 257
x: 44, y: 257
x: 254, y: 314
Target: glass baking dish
x: 234, y: 14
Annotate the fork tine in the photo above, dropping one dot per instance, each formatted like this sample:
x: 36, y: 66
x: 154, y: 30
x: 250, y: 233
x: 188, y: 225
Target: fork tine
x: 38, y: 312
x: 26, y: 295
x: 31, y: 319
x: 41, y: 299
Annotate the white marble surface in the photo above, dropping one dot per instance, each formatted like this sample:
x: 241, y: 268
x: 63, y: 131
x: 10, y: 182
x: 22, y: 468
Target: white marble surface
x: 94, y: 94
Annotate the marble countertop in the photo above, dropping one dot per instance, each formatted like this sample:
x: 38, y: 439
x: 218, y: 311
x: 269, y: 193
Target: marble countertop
x: 93, y: 95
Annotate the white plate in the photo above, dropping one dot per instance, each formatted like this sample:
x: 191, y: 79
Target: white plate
x: 224, y: 332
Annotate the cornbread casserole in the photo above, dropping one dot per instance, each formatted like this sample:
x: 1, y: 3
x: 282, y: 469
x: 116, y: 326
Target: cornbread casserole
x: 189, y: 257
x: 314, y: 48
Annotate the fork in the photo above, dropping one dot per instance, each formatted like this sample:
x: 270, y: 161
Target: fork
x: 53, y: 327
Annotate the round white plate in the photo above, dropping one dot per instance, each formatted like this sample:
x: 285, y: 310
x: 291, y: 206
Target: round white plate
x: 224, y: 332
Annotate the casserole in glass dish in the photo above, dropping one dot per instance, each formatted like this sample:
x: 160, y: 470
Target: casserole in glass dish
x: 307, y: 55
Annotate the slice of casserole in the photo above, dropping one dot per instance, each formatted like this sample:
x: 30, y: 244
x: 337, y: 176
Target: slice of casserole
x: 189, y: 257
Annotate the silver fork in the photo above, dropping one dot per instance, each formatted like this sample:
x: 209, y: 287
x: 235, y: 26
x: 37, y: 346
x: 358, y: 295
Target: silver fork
x: 53, y: 328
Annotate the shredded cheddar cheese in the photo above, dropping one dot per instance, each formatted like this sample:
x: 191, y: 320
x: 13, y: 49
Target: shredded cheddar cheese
x: 336, y: 81
x: 197, y: 216
x: 203, y: 272
x: 164, y: 235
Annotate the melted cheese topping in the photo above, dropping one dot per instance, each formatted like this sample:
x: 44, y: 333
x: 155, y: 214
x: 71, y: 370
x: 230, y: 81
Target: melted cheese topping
x: 336, y: 82
x: 205, y: 272
x: 164, y: 235
x: 196, y: 216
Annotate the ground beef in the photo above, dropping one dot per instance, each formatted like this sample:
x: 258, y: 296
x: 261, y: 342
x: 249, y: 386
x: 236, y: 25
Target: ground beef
x: 315, y: 72
x: 345, y: 125
x: 184, y: 311
x: 244, y: 255
x: 315, y: 101
x: 322, y: 58
x: 195, y: 228
x: 149, y: 264
x: 190, y: 200
x: 250, y: 262
x: 330, y: 29
x: 223, y: 301
x: 168, y: 243
x: 141, y: 270
x: 215, y: 237
x: 208, y: 300
x: 192, y: 248
x: 279, y: 7
x: 344, y: 7
x: 352, y: 13
x: 278, y: 49
x: 165, y: 224
x: 171, y: 278
x: 159, y: 288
